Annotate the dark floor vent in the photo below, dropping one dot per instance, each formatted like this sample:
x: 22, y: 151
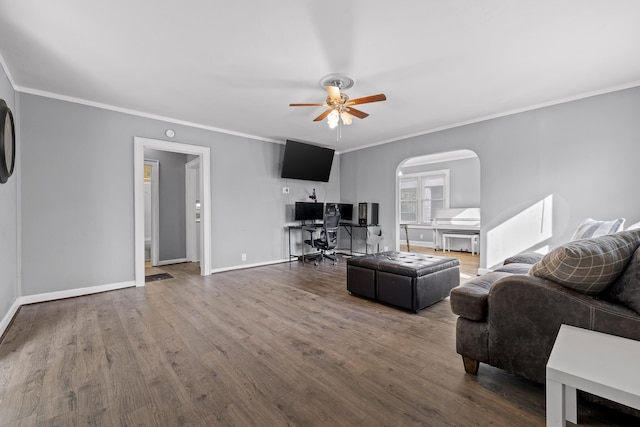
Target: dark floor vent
x: 156, y: 277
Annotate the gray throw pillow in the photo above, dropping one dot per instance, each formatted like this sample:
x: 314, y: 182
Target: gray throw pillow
x: 634, y: 226
x: 588, y: 266
x: 626, y: 290
x: 591, y: 228
x: 524, y: 258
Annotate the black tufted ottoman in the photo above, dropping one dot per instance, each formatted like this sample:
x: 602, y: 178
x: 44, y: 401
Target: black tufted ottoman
x: 403, y: 279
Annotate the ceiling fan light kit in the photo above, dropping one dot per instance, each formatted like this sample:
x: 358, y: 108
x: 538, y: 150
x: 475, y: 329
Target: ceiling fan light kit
x: 340, y: 108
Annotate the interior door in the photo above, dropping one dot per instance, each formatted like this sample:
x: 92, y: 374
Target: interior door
x: 151, y: 220
x: 193, y: 209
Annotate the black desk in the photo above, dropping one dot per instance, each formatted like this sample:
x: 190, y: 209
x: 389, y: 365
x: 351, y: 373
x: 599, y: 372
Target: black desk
x: 312, y: 228
x: 349, y: 226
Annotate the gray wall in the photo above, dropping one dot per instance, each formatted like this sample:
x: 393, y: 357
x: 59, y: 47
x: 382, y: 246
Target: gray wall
x: 77, y: 194
x: 172, y: 210
x: 250, y: 209
x: 580, y: 157
x: 8, y: 215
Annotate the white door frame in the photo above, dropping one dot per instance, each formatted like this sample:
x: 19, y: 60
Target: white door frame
x: 191, y: 171
x: 155, y: 210
x: 139, y: 144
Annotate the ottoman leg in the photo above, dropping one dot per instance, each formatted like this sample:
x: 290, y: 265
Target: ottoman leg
x: 470, y: 365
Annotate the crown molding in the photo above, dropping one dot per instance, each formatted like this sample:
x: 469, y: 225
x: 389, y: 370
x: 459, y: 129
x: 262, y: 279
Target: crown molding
x: 8, y: 73
x: 503, y: 114
x: 260, y: 138
x: 81, y: 101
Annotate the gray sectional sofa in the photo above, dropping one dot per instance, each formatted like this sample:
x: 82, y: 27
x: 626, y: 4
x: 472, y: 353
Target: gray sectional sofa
x: 509, y: 318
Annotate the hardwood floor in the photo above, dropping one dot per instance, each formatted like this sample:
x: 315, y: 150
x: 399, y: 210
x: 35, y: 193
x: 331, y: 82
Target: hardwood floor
x: 277, y: 345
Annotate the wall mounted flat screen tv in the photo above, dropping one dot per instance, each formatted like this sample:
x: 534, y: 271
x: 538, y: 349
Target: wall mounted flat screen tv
x: 307, y: 162
x: 309, y: 211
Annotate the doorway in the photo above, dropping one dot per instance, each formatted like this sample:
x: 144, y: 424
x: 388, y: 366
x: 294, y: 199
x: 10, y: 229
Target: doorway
x: 430, y: 186
x: 204, y: 181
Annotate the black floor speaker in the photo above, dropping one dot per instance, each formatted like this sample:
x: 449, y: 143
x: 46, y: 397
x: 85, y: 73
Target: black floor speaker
x: 368, y: 213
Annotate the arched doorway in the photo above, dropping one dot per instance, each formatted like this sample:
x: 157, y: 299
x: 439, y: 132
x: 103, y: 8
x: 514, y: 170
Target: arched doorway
x: 446, y: 184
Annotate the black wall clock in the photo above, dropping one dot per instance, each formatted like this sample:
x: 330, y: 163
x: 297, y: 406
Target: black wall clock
x: 7, y: 142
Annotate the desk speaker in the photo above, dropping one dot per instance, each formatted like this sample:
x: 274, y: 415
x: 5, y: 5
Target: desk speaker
x: 368, y: 213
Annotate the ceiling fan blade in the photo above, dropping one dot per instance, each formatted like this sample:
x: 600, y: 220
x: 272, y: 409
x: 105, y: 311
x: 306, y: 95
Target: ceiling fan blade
x: 367, y: 99
x: 334, y: 93
x: 359, y: 114
x: 307, y: 105
x: 323, y: 115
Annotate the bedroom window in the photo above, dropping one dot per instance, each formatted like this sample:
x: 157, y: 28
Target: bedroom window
x: 421, y: 195
x: 409, y: 200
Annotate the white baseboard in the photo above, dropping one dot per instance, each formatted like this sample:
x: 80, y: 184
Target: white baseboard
x: 172, y: 261
x: 4, y: 324
x: 241, y: 266
x: 51, y: 296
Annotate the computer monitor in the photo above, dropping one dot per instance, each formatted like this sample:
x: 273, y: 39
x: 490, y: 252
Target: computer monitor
x: 309, y: 211
x: 345, y: 209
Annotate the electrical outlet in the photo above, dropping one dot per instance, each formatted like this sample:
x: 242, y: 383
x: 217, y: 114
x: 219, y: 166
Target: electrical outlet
x: 386, y: 248
x: 421, y: 236
x: 244, y: 257
x: 285, y: 190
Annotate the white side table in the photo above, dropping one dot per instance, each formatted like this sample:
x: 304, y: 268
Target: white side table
x: 600, y: 364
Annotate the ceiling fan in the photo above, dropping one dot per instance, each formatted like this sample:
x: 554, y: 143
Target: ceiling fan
x: 339, y: 106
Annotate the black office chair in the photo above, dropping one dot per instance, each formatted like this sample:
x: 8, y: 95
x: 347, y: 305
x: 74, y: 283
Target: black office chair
x: 328, y: 239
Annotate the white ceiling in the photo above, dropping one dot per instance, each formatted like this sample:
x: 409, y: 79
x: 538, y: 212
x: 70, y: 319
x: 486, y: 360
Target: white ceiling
x: 236, y: 65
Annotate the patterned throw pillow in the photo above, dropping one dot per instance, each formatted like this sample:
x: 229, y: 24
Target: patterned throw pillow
x: 626, y: 290
x: 588, y: 266
x: 591, y: 228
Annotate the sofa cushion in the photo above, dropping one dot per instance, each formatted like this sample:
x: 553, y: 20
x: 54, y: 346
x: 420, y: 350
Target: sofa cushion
x: 591, y: 228
x: 524, y: 258
x: 588, y: 266
x: 470, y: 300
x: 515, y: 268
x: 626, y: 290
